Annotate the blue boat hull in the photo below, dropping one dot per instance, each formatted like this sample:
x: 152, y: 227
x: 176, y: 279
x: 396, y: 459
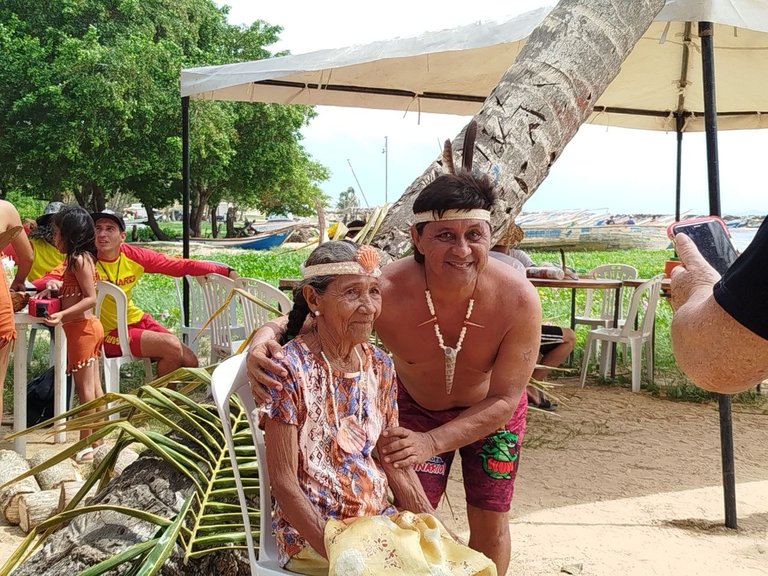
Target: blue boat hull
x: 265, y: 242
x: 259, y: 242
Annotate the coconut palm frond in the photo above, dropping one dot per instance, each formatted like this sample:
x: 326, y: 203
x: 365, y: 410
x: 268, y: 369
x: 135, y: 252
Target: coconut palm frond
x: 367, y: 232
x: 187, y: 436
x: 126, y: 555
x: 340, y: 232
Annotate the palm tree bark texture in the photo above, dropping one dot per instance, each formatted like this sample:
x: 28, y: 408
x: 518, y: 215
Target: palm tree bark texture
x: 538, y: 105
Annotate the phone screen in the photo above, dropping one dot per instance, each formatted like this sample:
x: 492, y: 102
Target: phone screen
x: 712, y: 241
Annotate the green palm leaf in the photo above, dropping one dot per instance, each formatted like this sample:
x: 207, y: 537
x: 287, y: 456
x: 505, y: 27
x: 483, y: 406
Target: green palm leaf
x: 186, y: 434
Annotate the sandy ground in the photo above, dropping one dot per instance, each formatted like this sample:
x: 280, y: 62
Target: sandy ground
x: 623, y: 483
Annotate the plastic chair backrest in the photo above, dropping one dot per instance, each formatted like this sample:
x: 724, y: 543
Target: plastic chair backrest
x: 107, y: 289
x: 253, y: 314
x: 648, y: 293
x: 196, y: 302
x: 216, y: 288
x: 229, y: 378
x: 614, y: 272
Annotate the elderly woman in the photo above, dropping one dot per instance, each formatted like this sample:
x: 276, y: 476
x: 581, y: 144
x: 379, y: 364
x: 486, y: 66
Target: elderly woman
x: 323, y: 425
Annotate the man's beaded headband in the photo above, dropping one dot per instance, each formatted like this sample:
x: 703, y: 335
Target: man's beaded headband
x: 366, y: 263
x: 452, y: 214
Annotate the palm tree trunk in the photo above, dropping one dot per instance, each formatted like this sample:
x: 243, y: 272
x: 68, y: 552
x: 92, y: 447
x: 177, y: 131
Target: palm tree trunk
x: 150, y: 484
x: 538, y: 105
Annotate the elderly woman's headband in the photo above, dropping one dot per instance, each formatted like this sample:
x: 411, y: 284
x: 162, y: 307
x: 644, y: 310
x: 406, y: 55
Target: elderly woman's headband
x: 466, y: 165
x: 366, y: 263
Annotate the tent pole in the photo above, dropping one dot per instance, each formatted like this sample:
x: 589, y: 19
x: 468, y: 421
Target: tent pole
x: 185, y: 196
x: 706, y: 32
x: 679, y: 174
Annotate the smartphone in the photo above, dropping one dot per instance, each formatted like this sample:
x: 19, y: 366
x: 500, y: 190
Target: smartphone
x: 711, y: 236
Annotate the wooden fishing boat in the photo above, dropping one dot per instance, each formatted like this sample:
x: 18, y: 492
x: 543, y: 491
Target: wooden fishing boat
x: 605, y: 237
x: 261, y: 241
x: 592, y: 230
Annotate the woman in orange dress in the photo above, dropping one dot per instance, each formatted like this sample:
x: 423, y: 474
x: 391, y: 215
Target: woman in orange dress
x: 74, y: 236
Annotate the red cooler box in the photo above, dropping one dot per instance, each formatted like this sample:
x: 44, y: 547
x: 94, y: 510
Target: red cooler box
x: 42, y: 307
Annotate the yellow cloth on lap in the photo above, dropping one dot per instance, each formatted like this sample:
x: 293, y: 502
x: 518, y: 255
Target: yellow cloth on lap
x: 403, y: 544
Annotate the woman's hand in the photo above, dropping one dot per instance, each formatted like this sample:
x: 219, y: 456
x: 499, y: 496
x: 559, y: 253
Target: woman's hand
x: 402, y: 447
x: 53, y: 319
x: 259, y: 362
x: 53, y: 285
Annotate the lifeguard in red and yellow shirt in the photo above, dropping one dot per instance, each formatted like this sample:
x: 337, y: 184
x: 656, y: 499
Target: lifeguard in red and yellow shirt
x: 123, y: 264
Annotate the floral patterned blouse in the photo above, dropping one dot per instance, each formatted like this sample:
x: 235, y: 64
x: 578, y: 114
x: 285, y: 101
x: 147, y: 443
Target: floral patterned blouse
x: 337, y: 484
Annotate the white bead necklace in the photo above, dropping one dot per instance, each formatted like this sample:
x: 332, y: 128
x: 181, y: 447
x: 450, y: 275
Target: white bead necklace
x: 450, y: 353
x: 350, y: 435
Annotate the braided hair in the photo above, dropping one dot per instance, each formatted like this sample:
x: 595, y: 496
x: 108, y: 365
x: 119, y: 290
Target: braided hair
x: 327, y: 253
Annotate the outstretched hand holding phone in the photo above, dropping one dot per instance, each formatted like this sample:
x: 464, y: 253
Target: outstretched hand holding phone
x: 695, y: 277
x: 711, y: 237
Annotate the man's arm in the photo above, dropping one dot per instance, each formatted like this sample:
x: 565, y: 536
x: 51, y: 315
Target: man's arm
x: 511, y: 373
x: 157, y: 263
x: 712, y: 348
x: 21, y: 246
x: 283, y: 463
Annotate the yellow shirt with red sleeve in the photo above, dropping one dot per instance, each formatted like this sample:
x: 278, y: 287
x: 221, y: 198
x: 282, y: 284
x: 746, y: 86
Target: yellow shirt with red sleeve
x: 131, y: 264
x: 47, y: 258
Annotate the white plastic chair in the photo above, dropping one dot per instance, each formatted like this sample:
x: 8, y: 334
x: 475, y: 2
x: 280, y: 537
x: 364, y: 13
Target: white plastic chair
x: 254, y: 315
x: 642, y: 311
x: 230, y: 378
x: 216, y: 288
x: 197, y: 315
x: 112, y: 365
x: 607, y: 300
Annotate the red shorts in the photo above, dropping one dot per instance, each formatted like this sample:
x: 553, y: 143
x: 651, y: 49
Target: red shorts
x: 489, y: 465
x: 146, y: 322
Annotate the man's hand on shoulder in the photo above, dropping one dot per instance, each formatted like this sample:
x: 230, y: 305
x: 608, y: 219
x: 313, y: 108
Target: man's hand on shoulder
x: 260, y: 365
x: 694, y: 276
x: 401, y: 447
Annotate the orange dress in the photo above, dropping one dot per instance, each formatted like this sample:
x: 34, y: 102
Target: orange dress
x: 7, y: 324
x: 84, y: 336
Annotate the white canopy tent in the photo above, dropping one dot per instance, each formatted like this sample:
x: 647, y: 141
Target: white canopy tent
x: 452, y: 71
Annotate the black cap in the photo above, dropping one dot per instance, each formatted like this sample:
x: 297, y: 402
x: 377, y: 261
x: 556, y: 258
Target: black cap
x: 110, y: 216
x: 50, y: 209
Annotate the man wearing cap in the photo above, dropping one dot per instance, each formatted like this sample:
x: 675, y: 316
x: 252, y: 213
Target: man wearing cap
x: 123, y: 264
x: 463, y: 331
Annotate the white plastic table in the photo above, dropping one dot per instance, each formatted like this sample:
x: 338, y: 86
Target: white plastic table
x: 23, y: 320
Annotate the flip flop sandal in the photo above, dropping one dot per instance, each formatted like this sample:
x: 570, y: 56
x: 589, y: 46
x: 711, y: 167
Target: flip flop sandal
x: 84, y: 455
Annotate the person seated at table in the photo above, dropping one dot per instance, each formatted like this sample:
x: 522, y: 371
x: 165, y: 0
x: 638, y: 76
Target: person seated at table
x: 323, y: 425
x: 48, y: 261
x: 556, y: 342
x: 9, y: 220
x: 123, y: 265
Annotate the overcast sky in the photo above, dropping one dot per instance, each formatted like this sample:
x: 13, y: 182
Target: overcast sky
x: 621, y: 170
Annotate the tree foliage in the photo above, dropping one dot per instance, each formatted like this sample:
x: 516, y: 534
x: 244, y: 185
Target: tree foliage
x: 89, y: 103
x: 348, y: 203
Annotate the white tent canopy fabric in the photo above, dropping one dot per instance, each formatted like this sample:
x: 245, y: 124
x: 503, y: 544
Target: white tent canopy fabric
x: 452, y: 71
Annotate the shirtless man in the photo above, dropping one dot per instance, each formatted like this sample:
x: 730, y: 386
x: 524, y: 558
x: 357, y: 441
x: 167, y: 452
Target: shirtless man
x: 123, y: 264
x: 9, y: 218
x: 451, y: 294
